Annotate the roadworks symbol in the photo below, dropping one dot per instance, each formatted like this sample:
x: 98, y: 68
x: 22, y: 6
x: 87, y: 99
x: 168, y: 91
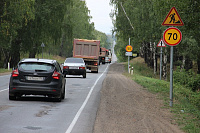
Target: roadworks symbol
x: 173, y: 18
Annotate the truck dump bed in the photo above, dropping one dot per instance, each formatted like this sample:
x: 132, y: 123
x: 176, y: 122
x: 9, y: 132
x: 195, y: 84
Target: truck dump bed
x: 89, y: 51
x: 83, y: 48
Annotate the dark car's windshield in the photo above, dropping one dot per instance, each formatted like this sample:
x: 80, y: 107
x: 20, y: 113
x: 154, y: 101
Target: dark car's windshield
x: 32, y: 66
x: 74, y: 60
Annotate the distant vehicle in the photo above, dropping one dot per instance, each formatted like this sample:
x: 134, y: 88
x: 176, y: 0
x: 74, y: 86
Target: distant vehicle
x: 107, y: 60
x: 37, y: 77
x: 103, y: 55
x: 89, y: 51
x: 74, y: 66
x: 110, y: 55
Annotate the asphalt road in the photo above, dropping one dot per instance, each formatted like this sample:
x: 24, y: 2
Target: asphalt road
x: 75, y: 114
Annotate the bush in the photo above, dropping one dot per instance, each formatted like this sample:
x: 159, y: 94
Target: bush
x: 187, y: 78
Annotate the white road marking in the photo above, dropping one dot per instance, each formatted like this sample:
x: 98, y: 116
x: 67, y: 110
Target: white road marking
x: 3, y: 90
x: 83, y: 105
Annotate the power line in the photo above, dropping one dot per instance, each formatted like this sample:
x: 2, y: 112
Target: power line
x: 126, y: 15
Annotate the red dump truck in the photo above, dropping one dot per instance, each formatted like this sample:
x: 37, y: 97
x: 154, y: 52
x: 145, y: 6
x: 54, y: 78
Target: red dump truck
x: 103, y: 55
x: 89, y: 51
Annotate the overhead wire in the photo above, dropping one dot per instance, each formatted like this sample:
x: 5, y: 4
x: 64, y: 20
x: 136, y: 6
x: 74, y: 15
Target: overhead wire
x: 126, y: 15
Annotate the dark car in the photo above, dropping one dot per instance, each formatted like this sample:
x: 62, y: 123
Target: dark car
x: 74, y: 66
x: 37, y: 77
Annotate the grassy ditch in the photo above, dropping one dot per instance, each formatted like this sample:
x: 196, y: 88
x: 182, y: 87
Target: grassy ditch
x: 186, y: 108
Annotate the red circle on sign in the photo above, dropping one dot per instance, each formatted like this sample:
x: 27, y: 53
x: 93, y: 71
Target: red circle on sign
x: 172, y: 36
x: 129, y: 48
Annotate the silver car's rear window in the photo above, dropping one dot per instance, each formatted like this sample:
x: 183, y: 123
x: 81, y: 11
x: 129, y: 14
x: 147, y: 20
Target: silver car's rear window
x: 74, y: 60
x: 36, y: 66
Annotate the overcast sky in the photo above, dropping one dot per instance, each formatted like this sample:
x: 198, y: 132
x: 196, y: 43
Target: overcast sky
x: 100, y: 10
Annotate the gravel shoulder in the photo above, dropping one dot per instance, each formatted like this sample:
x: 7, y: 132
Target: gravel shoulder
x: 127, y: 107
x: 5, y: 73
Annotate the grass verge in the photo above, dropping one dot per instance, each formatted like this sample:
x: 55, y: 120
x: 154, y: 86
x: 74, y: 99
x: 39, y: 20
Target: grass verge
x: 45, y: 56
x: 2, y: 70
x: 186, y: 114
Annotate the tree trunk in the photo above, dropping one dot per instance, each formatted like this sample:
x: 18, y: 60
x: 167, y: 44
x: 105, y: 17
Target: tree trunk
x: 183, y: 63
x: 188, y: 63
x: 154, y: 59
x: 198, y: 65
x: 61, y: 46
x: 15, y: 53
x: 165, y: 64
x: 145, y: 53
x: 32, y: 53
x: 151, y: 61
x: 6, y: 59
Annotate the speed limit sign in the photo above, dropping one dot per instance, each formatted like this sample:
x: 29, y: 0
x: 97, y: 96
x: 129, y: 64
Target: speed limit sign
x: 129, y: 48
x: 172, y: 36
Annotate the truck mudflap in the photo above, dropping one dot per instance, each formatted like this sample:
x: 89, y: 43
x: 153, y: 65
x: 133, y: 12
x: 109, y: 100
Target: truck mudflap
x: 95, y: 70
x: 92, y: 65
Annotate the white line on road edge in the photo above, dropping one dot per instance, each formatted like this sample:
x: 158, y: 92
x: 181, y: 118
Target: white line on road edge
x: 83, y: 105
x: 3, y: 90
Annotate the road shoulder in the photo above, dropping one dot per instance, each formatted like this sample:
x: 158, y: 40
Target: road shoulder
x: 127, y: 107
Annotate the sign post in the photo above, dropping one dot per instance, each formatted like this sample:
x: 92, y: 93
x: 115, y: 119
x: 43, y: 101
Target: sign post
x: 172, y: 36
x: 42, y: 45
x: 161, y: 44
x: 129, y: 49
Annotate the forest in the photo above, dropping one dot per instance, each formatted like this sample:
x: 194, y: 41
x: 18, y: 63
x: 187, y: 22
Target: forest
x: 141, y: 21
x: 27, y: 24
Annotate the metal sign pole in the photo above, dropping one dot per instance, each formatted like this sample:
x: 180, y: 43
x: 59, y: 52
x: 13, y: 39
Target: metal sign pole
x: 161, y: 63
x: 171, y: 77
x: 129, y: 56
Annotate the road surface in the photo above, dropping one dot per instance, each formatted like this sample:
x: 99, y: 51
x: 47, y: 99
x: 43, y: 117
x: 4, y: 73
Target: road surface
x: 75, y: 114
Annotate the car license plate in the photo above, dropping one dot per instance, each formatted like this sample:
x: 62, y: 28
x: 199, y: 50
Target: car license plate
x: 35, y: 78
x: 73, y: 67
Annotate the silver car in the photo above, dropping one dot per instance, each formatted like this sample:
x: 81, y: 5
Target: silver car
x: 74, y: 66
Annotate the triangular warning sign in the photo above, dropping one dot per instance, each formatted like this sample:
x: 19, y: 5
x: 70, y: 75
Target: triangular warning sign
x: 161, y: 43
x: 173, y: 18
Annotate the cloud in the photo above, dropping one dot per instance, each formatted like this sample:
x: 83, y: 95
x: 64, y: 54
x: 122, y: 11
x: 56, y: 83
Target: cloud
x: 100, y: 10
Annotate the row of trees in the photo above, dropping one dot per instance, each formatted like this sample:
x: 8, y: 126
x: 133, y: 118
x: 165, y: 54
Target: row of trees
x: 26, y: 24
x: 146, y: 16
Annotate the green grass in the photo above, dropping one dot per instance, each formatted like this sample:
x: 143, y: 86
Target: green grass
x: 45, y: 56
x: 5, y: 70
x: 185, y: 102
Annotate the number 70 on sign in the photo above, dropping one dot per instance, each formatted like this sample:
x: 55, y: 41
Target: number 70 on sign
x: 172, y: 36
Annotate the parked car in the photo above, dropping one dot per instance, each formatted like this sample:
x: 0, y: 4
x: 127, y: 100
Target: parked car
x: 74, y: 66
x: 37, y: 77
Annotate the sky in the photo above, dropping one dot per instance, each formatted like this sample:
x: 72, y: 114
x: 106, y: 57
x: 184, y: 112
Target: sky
x: 100, y: 10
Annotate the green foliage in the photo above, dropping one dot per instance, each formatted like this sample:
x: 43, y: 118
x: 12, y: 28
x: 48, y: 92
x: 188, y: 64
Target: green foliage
x: 187, y: 78
x: 25, y: 25
x: 5, y: 70
x: 147, y: 16
x: 101, y: 36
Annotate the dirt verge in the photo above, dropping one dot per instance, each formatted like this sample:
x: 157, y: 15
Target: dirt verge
x: 127, y: 107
